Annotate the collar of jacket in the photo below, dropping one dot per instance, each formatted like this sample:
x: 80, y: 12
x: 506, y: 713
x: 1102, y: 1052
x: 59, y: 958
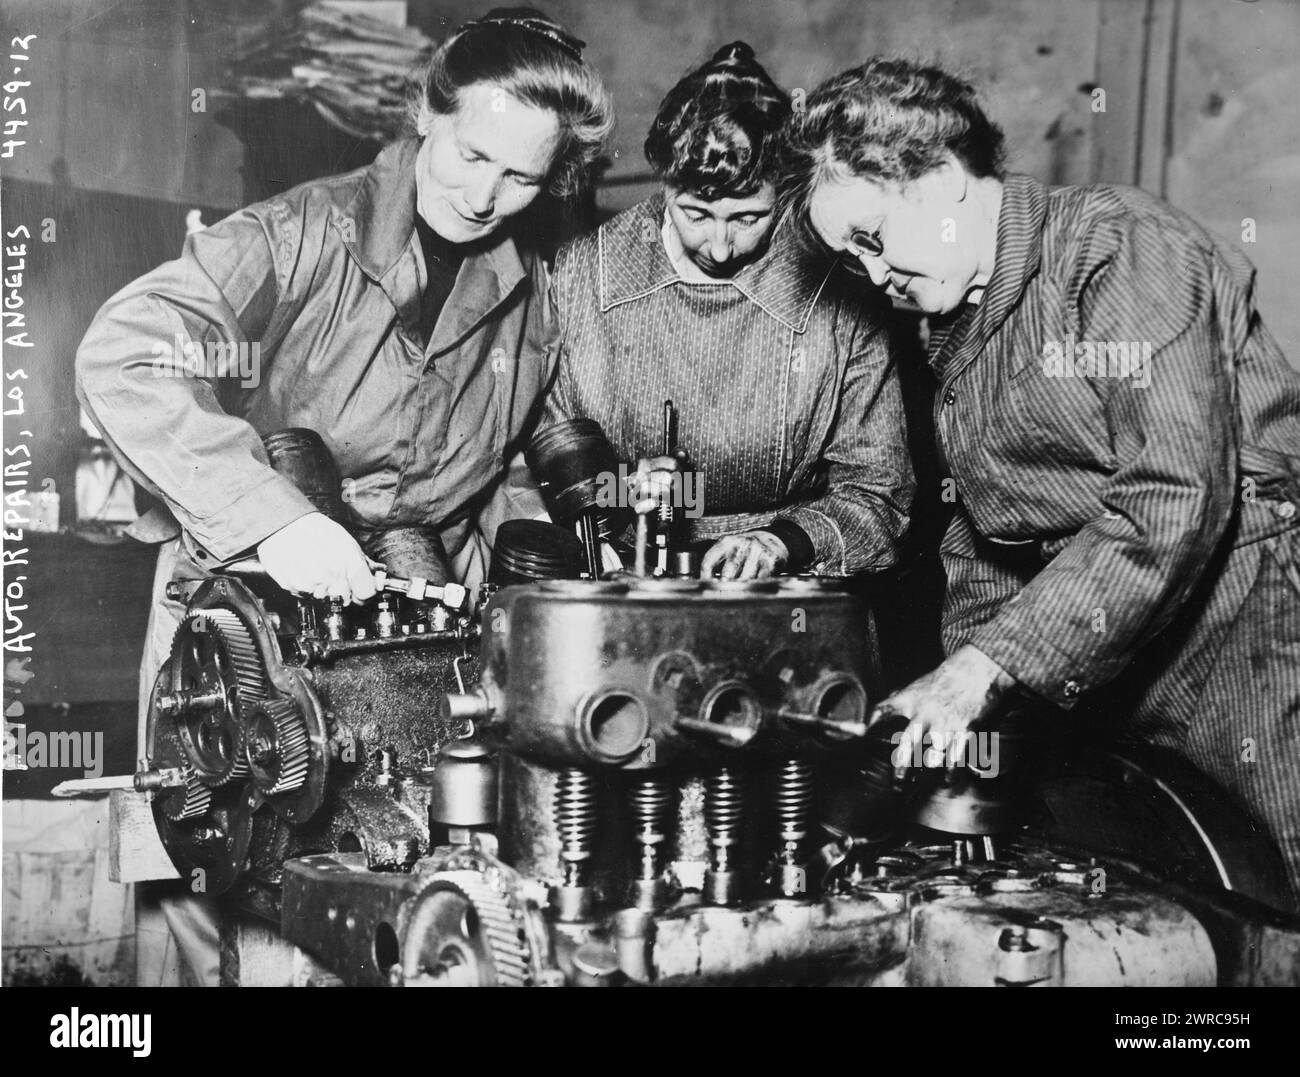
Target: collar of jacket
x: 785, y: 282
x: 381, y: 242
x: 1019, y: 255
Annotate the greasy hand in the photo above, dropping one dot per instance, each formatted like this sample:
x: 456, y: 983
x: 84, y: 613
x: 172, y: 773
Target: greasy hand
x: 755, y: 555
x: 315, y: 556
x: 944, y: 704
x: 652, y: 483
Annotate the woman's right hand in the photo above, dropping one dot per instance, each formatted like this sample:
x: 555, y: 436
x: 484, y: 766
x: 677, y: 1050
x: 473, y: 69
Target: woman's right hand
x: 652, y: 484
x: 315, y: 556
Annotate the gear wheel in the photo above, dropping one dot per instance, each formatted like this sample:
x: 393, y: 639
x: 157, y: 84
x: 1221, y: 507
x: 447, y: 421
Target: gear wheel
x: 278, y: 750
x: 189, y: 802
x: 215, y: 656
x: 490, y: 923
x: 500, y: 927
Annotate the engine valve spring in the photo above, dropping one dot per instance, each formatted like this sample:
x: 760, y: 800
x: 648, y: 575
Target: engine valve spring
x: 575, y: 818
x: 651, y: 806
x: 793, y: 805
x: 723, y: 806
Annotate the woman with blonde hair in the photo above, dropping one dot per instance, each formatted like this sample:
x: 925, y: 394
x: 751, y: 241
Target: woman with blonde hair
x: 398, y: 311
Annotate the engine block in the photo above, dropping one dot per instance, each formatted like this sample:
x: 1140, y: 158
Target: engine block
x: 637, y: 781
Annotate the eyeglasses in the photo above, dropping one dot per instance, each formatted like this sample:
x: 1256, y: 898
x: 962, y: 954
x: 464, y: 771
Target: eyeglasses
x: 866, y: 244
x: 862, y: 244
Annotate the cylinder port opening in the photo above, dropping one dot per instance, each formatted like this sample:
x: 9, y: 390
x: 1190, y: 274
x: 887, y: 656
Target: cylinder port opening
x: 615, y: 725
x: 733, y: 706
x: 842, y: 701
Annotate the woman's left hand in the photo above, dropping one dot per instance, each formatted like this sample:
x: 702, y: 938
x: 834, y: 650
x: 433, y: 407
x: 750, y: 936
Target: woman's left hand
x: 755, y: 555
x: 941, y: 707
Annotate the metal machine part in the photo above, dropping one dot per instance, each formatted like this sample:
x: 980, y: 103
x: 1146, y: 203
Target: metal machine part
x: 573, y: 462
x: 302, y: 457
x: 639, y: 673
x: 297, y: 726
x: 668, y: 783
x: 458, y: 918
x: 915, y: 917
x: 527, y: 550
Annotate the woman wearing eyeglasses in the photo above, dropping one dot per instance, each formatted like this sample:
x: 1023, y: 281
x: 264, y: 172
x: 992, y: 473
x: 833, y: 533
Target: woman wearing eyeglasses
x: 1123, y: 432
x: 778, y: 365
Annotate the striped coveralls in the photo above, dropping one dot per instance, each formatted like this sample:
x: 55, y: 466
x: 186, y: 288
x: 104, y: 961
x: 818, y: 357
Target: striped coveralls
x: 1124, y: 437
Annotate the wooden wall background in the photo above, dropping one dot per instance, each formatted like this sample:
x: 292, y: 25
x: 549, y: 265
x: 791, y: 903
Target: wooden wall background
x: 1200, y: 108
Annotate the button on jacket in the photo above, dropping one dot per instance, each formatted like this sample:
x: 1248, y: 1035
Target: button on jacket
x: 1125, y: 438
x: 787, y: 395
x: 321, y: 288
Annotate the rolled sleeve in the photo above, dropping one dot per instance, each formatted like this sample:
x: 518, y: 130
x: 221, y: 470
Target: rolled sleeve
x: 145, y: 376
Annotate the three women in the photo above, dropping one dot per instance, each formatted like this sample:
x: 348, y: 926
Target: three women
x: 1134, y: 534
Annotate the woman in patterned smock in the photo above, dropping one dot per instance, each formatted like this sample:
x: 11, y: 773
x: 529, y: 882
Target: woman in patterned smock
x: 781, y: 371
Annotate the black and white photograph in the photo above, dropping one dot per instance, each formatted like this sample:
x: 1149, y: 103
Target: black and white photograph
x: 647, y: 493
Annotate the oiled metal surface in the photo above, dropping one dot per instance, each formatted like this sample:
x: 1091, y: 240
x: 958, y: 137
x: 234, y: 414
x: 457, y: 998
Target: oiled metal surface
x: 389, y: 700
x: 668, y: 648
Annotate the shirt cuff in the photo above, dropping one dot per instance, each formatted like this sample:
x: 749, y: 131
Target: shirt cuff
x: 1036, y: 664
x: 796, y: 541
x: 247, y: 520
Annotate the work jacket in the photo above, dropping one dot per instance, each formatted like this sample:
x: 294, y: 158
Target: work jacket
x: 1113, y: 414
x: 303, y: 311
x: 788, y: 397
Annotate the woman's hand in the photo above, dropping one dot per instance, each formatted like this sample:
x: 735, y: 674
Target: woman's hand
x: 315, y: 556
x: 755, y: 555
x: 942, y: 706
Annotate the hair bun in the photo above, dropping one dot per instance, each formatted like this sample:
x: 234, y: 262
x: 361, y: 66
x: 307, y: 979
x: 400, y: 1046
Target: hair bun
x: 738, y: 52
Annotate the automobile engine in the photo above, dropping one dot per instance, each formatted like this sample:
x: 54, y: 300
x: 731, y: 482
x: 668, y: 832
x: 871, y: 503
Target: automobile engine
x: 660, y: 781
x: 657, y: 779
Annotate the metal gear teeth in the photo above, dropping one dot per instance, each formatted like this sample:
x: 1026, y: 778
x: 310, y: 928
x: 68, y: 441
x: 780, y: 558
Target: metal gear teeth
x: 193, y: 803
x: 291, y: 746
x: 250, y: 678
x: 499, y: 925
x: 245, y: 658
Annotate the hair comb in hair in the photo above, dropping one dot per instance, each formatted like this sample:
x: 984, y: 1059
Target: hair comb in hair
x: 570, y: 44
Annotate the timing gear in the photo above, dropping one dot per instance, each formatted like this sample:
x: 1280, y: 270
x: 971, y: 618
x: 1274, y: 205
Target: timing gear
x: 474, y: 931
x: 217, y: 678
x: 279, y: 753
